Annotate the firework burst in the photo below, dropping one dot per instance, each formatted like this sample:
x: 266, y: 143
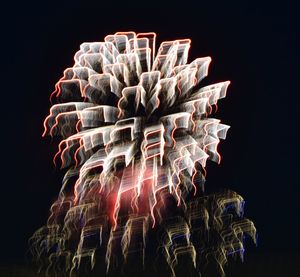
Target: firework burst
x: 136, y: 135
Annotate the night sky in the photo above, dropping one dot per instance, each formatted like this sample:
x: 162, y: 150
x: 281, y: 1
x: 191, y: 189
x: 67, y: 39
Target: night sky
x: 252, y: 44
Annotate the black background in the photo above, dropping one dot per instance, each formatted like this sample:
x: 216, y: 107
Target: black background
x: 253, y: 44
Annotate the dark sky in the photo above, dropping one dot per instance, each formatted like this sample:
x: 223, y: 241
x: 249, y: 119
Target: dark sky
x: 253, y: 44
